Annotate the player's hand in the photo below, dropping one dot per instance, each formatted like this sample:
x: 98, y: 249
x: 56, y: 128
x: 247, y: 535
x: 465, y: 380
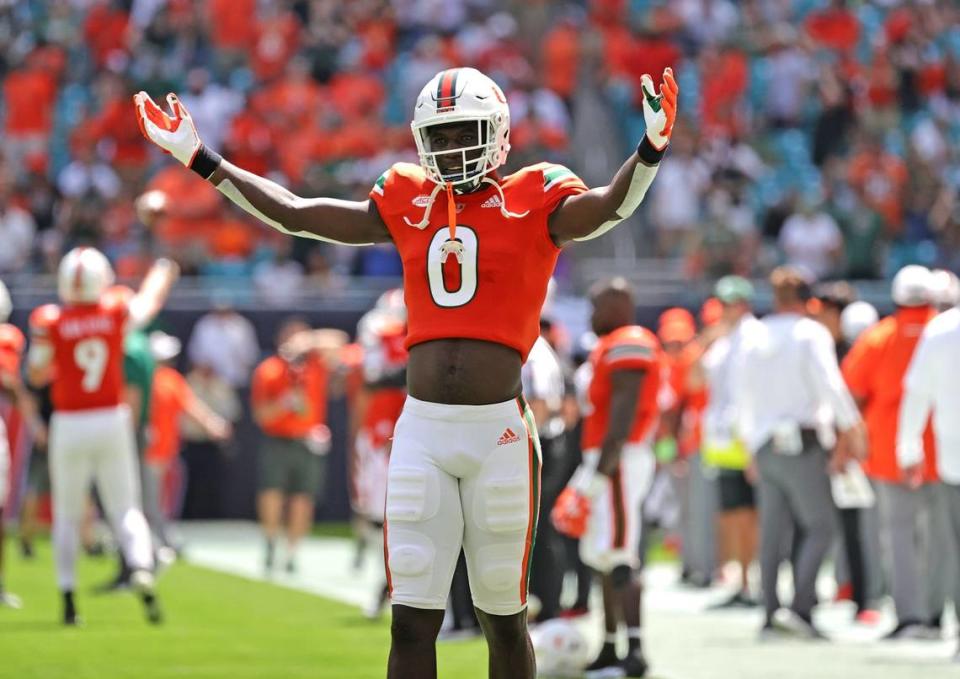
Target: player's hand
x: 913, y: 475
x: 176, y: 134
x: 660, y: 110
x: 570, y: 513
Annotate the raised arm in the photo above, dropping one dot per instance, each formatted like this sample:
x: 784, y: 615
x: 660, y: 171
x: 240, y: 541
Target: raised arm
x: 591, y: 214
x: 337, y: 221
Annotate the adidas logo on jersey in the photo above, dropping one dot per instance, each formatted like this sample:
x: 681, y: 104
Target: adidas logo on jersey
x: 493, y: 201
x: 508, y: 436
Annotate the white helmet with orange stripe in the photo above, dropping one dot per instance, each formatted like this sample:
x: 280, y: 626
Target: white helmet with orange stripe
x: 6, y: 306
x: 463, y: 95
x: 83, y: 277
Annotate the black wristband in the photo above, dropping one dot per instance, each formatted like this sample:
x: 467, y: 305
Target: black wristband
x: 648, y: 154
x: 205, y: 162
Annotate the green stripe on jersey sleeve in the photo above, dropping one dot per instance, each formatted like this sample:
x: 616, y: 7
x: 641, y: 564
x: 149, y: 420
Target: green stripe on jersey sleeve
x: 381, y: 182
x: 555, y: 174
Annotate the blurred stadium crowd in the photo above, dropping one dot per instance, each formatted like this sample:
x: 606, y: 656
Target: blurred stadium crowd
x: 819, y: 134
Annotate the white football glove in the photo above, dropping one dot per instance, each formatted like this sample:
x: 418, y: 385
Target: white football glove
x: 660, y: 110
x: 176, y: 135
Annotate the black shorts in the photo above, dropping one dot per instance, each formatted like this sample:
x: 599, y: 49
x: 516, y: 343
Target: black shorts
x: 288, y: 465
x: 735, y: 491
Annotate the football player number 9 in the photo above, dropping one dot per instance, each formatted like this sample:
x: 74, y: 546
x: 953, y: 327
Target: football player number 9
x: 468, y: 268
x: 90, y: 356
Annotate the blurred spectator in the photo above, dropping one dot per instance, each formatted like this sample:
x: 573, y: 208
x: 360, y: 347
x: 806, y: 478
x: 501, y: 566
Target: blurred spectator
x: 211, y: 106
x: 811, y: 240
x: 279, y: 280
x: 225, y: 341
x: 87, y: 174
x: 16, y: 228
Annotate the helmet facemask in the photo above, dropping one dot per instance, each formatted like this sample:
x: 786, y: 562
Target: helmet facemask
x: 474, y: 161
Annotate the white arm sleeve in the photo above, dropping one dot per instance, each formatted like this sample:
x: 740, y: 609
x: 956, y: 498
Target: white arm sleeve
x: 643, y: 176
x: 916, y: 404
x: 227, y: 188
x: 828, y: 382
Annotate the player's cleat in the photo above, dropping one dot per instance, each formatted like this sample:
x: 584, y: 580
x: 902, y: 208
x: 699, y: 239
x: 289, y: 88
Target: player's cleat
x: 269, y: 556
x: 634, y: 665
x: 868, y: 616
x: 788, y: 623
x: 739, y: 600
x: 144, y: 583
x: 607, y: 664
x: 95, y: 549
x: 26, y: 550
x: 70, y: 616
x: 120, y: 583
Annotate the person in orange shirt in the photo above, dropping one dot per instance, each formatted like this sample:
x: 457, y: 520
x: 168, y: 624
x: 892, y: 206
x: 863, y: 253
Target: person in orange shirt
x: 171, y: 398
x: 874, y: 370
x: 289, y: 397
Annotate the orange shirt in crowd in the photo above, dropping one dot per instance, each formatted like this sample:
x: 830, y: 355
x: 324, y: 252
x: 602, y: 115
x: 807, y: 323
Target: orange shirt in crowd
x: 881, y: 179
x: 303, y: 388
x: 170, y: 398
x: 836, y: 28
x: 561, y: 57
x: 874, y: 370
x: 105, y: 32
x: 232, y: 23
x: 28, y: 97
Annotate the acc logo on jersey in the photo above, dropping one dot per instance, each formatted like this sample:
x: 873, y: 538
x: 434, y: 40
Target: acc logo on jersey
x: 423, y: 200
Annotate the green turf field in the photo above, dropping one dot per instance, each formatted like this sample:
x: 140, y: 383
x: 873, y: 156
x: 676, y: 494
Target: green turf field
x: 217, y: 626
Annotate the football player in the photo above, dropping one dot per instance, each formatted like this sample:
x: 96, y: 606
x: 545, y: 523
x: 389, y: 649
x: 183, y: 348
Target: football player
x: 381, y: 333
x: 478, y: 249
x: 12, y: 343
x: 77, y: 347
x: 602, y: 502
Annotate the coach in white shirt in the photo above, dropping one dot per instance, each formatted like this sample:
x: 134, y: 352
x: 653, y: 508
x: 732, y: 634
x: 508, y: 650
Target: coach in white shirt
x: 788, y: 395
x: 932, y: 382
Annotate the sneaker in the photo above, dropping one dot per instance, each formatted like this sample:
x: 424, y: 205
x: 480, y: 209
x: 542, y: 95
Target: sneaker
x: 789, y: 623
x: 10, y: 600
x: 634, y: 665
x: 911, y: 630
x: 739, y: 600
x: 607, y: 664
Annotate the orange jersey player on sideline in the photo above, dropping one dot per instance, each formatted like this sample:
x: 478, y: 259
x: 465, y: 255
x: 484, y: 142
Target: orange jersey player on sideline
x: 477, y: 249
x: 12, y: 343
x: 605, y: 494
x: 78, y: 346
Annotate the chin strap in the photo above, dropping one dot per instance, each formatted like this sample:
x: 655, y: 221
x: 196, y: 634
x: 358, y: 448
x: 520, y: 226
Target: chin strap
x: 422, y: 224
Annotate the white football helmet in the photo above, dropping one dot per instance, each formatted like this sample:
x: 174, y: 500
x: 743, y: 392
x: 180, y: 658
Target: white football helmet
x: 6, y: 305
x: 463, y: 95
x: 561, y: 648
x: 857, y: 317
x: 945, y: 289
x: 84, y: 275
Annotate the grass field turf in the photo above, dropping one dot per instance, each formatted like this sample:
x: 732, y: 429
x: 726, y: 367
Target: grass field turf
x: 217, y: 627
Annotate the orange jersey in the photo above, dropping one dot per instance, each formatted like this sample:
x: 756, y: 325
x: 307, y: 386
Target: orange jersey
x: 628, y: 348
x: 12, y: 342
x: 874, y: 370
x: 171, y: 396
x: 304, y: 387
x: 383, y: 338
x: 496, y: 292
x: 87, y: 342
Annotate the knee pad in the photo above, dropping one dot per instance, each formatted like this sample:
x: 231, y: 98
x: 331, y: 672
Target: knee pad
x: 410, y: 554
x: 412, y: 494
x: 504, y: 505
x: 621, y: 576
x: 497, y: 568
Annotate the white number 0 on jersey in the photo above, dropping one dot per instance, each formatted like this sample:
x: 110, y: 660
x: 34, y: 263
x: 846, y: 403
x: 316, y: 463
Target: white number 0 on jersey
x: 91, y: 357
x: 468, y: 268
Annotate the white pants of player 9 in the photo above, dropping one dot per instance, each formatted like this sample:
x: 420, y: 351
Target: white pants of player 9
x: 96, y: 446
x: 462, y: 476
x: 613, y: 529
